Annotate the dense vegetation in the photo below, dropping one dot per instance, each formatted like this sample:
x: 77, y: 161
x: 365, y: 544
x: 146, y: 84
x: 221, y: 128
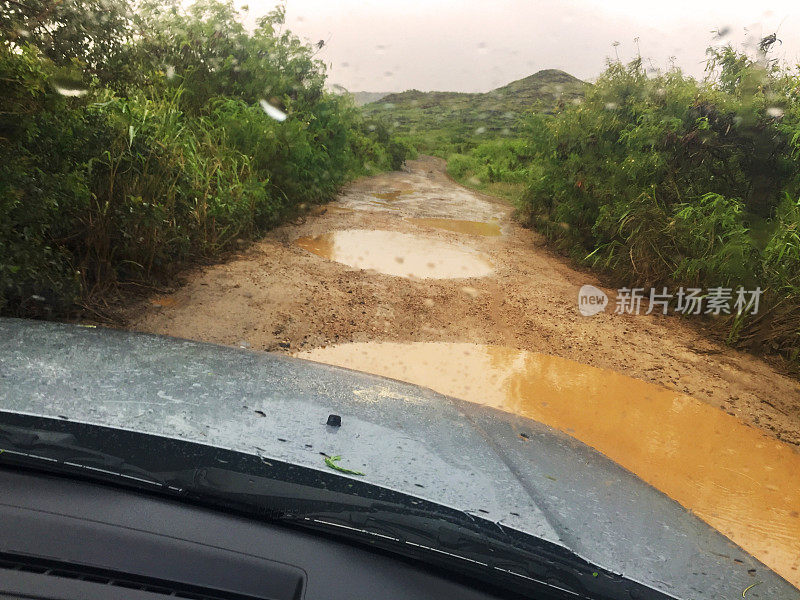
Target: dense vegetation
x: 667, y: 181
x: 137, y: 137
x: 662, y: 180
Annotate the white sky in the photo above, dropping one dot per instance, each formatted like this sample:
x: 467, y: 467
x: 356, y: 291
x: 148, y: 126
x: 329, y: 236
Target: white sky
x: 477, y: 45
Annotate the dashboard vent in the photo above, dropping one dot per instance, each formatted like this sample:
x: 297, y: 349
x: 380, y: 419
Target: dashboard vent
x: 51, y: 568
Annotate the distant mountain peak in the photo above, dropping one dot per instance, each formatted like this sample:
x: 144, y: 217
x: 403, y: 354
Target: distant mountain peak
x: 553, y: 81
x: 553, y: 74
x: 545, y: 77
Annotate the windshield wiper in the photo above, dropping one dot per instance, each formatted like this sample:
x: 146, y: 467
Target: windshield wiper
x: 311, y: 499
x: 22, y: 444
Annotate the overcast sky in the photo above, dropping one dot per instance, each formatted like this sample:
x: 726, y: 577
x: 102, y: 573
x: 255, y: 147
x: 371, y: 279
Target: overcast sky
x: 474, y: 46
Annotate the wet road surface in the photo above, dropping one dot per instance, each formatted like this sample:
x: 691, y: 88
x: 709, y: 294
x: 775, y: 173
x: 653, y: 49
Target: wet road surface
x: 409, y: 257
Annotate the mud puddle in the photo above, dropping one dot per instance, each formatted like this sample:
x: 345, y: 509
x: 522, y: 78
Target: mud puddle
x: 488, y: 229
x: 741, y: 482
x: 398, y: 254
x: 422, y: 194
x: 391, y: 196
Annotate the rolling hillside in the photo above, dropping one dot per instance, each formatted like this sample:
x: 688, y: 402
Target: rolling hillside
x: 463, y: 117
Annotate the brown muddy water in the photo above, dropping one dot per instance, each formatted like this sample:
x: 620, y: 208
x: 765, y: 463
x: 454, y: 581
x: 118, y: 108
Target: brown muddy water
x: 741, y: 482
x: 489, y: 229
x: 398, y: 254
x: 393, y: 195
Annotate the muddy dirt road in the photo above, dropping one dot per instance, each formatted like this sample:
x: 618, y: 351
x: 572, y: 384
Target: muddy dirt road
x: 412, y: 276
x: 280, y: 296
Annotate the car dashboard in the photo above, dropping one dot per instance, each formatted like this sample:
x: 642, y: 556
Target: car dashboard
x: 70, y: 539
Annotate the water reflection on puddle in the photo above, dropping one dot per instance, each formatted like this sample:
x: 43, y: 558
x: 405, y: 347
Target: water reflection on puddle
x: 424, y: 199
x: 391, y: 196
x: 741, y: 482
x: 468, y: 227
x: 399, y: 254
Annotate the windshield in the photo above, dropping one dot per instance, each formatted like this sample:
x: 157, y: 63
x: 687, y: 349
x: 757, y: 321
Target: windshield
x: 582, y: 217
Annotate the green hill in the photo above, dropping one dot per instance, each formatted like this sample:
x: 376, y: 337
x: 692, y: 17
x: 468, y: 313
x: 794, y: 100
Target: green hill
x: 362, y: 98
x: 444, y: 119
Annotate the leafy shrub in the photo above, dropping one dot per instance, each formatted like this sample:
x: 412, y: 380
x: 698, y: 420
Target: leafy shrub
x: 460, y: 166
x: 172, y: 157
x: 661, y: 181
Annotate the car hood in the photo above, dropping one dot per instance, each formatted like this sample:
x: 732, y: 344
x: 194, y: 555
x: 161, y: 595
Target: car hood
x: 410, y: 439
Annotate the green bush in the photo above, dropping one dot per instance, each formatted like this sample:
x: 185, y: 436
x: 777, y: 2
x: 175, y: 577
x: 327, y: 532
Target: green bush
x: 669, y: 181
x: 108, y: 177
x: 460, y: 166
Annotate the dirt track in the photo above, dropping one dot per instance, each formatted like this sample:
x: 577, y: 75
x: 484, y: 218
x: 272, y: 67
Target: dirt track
x: 279, y: 297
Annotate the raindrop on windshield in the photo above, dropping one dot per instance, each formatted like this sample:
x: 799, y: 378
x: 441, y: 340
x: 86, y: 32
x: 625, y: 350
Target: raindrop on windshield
x: 722, y: 32
x: 775, y: 112
x: 70, y: 90
x: 273, y: 112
